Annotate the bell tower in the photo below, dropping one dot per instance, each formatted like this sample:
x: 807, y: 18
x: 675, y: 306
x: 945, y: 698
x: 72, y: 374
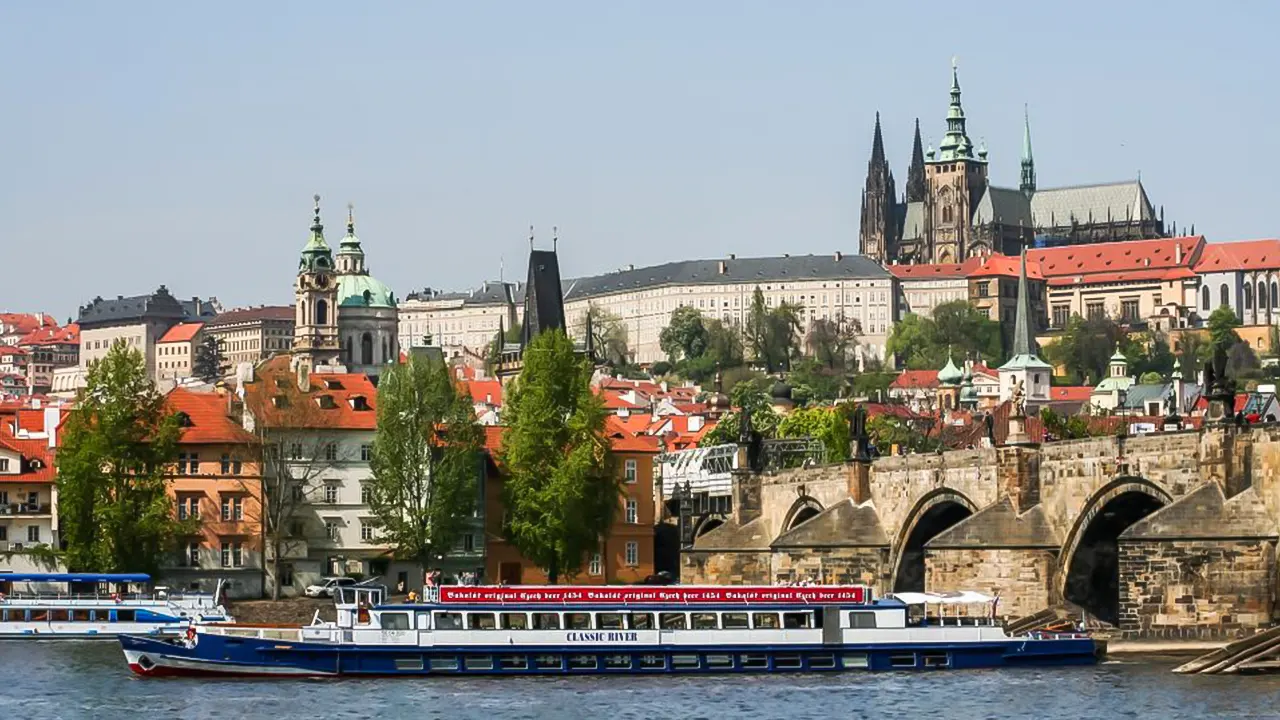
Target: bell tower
x: 956, y: 178
x: 315, y: 335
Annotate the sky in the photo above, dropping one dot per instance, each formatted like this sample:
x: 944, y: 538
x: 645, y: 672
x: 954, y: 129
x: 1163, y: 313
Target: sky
x: 149, y: 143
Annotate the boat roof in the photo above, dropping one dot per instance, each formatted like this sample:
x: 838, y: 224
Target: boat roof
x: 962, y: 597
x: 75, y: 577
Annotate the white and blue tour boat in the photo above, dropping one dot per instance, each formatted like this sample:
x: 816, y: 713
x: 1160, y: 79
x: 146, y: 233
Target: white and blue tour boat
x: 98, y: 605
x: 552, y: 630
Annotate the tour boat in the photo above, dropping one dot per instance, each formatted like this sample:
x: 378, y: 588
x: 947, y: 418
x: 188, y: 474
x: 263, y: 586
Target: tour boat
x: 552, y: 630
x: 95, y: 605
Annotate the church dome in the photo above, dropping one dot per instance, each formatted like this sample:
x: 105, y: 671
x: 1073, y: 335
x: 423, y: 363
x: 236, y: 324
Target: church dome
x: 364, y: 291
x: 950, y: 374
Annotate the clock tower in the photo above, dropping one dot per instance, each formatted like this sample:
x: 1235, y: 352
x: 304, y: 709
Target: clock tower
x: 315, y: 335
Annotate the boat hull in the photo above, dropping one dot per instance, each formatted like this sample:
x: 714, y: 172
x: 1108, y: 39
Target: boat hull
x: 219, y: 655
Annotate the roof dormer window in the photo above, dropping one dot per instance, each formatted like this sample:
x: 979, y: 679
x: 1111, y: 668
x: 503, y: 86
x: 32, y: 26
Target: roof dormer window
x: 326, y: 402
x: 333, y: 384
x: 184, y: 420
x: 359, y: 402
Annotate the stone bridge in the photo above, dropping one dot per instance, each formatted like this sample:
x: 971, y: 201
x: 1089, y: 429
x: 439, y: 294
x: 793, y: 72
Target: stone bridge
x: 1164, y: 535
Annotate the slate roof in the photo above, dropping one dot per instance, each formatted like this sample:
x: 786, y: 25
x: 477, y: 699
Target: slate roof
x: 841, y: 525
x: 544, y: 300
x: 913, y: 221
x: 732, y: 537
x: 1055, y: 207
x: 1006, y: 206
x: 490, y: 292
x: 159, y: 304
x: 1206, y: 513
x: 736, y: 270
x: 999, y: 525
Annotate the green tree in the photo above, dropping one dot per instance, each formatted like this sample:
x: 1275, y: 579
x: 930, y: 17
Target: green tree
x: 764, y: 419
x: 829, y: 425
x: 724, y: 343
x: 813, y: 381
x: 1149, y: 353
x: 957, y: 328
x: 113, y: 463
x: 833, y: 343
x: 772, y: 333
x: 1222, y: 329
x: 208, y: 362
x: 561, y: 492
x: 886, y: 431
x: 425, y: 460
x: 685, y: 335
x: 1085, y: 347
x: 1193, y: 351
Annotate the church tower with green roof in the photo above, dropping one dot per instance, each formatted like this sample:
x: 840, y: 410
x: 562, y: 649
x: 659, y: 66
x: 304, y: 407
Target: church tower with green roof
x: 956, y: 176
x: 315, y: 335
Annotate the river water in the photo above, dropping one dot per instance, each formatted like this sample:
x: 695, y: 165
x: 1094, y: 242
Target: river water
x: 71, y: 679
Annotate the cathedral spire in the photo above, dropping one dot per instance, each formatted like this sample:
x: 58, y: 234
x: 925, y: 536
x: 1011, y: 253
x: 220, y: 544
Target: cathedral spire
x: 1023, y: 342
x: 877, y: 145
x: 878, y: 232
x: 955, y: 144
x: 916, y: 188
x: 316, y: 254
x: 1028, y: 183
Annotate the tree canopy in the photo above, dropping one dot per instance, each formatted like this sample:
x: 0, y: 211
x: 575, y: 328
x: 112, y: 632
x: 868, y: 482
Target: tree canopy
x: 116, y: 453
x: 560, y: 490
x: 609, y: 336
x: 772, y: 333
x: 958, y: 328
x: 425, y: 460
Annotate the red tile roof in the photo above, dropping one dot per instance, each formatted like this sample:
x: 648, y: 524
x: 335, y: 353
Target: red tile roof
x: 484, y: 391
x: 26, y: 322
x: 208, y: 416
x: 915, y: 379
x: 8, y: 350
x: 277, y: 381
x: 1239, y: 255
x: 182, y: 332
x: 37, y: 460
x: 613, y: 400
x: 1134, y: 260
x: 67, y: 335
x: 1070, y: 393
x: 977, y: 266
x: 927, y: 271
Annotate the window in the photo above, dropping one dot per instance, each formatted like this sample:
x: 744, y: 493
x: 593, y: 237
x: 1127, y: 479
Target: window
x: 609, y: 621
x: 1275, y: 293
x: 862, y: 620
x: 298, y: 492
x: 331, y: 493
x: 546, y: 621
x: 734, y: 621
x: 577, y: 621
x: 224, y: 464
x: 1224, y: 296
x: 331, y: 452
x: 33, y: 533
x: 1204, y: 298
x: 232, y: 554
x: 193, y: 463
x: 1095, y: 311
x: 226, y: 507
x: 189, y: 507
x: 1129, y: 309
x: 4, y: 465
x: 1061, y: 314
x: 984, y: 289
x: 797, y: 620
x: 366, y: 452
x: 368, y: 530
x: 633, y: 554
x: 365, y: 494
x: 468, y: 543
x: 672, y: 621
x: 632, y: 514
x: 704, y: 621
x: 593, y: 568
x: 193, y: 554
x: 765, y: 621
x: 630, y: 471
x: 448, y: 621
x: 295, y: 451
x: 395, y: 621
x: 514, y: 621
x: 331, y: 529
x: 237, y: 508
x: 480, y: 621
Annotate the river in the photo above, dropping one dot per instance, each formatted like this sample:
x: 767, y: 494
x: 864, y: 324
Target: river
x: 70, y: 679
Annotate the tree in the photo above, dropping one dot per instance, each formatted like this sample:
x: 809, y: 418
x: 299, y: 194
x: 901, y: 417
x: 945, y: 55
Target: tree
x: 608, y: 335
x: 1085, y: 347
x: 208, y: 362
x: 425, y: 460
x: 772, y: 333
x: 298, y: 445
x: 685, y: 336
x: 764, y: 419
x: 813, y: 381
x: 1149, y: 353
x: 724, y: 342
x: 957, y: 329
x: 1193, y: 351
x: 561, y: 492
x: 833, y: 343
x: 115, y: 455
x: 829, y: 425
x: 1222, y: 329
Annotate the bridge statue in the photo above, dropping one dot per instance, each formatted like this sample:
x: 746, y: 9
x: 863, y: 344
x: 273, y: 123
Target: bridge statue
x: 751, y: 439
x: 862, y: 450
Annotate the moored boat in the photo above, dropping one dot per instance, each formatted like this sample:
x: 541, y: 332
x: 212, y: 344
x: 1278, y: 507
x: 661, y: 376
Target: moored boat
x: 610, y: 630
x: 97, y: 605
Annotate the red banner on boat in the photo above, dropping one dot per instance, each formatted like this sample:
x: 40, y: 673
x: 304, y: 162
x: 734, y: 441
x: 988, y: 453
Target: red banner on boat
x: 675, y: 595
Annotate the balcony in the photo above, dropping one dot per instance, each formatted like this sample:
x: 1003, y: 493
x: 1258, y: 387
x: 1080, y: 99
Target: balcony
x: 26, y: 509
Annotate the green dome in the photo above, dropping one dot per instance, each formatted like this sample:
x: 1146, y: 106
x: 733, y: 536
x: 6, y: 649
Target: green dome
x: 364, y: 291
x: 950, y: 375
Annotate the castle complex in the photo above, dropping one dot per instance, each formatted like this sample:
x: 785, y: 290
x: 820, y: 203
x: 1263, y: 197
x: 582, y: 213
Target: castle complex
x: 950, y: 211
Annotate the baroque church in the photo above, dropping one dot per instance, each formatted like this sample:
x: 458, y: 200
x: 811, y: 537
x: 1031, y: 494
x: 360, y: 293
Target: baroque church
x: 950, y: 211
x: 345, y: 320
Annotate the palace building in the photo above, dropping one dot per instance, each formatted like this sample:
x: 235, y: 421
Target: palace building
x: 950, y: 210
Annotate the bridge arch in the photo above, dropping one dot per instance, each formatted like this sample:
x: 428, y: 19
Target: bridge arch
x: 1088, y: 566
x: 804, y: 508
x: 932, y: 514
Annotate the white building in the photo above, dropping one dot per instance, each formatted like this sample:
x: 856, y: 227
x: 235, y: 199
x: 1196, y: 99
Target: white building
x: 460, y: 322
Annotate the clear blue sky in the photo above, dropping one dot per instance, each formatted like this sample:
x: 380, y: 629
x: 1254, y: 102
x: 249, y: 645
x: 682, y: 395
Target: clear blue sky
x: 180, y: 142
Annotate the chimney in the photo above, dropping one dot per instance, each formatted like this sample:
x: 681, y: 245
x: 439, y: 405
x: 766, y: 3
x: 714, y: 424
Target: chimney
x: 839, y: 256
x: 695, y: 423
x: 1177, y: 253
x: 51, y: 417
x: 722, y: 267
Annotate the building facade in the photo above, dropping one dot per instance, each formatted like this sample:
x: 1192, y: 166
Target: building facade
x: 1244, y: 276
x: 176, y: 351
x: 139, y: 321
x: 460, y: 323
x: 28, y: 497
x: 950, y: 211
x: 50, y: 348
x: 251, y: 335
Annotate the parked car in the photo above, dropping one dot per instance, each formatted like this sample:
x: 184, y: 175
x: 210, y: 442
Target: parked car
x: 328, y: 585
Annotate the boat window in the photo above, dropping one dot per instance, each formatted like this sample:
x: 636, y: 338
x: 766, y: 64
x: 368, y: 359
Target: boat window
x: 448, y: 621
x: 705, y: 621
x: 640, y: 621
x: 548, y: 662
x: 617, y: 662
x: 824, y: 661
x: 672, y: 621
x: 582, y: 662
x: 409, y: 663
x: 514, y: 621
x: 902, y: 661
x: 444, y: 663
x: 754, y: 662
x: 480, y: 621
x: 862, y: 619
x: 59, y: 615
x: 79, y: 616
x: 513, y: 662
x: 10, y: 615
x: 125, y: 615
x: 937, y: 659
x: 609, y: 621
x: 684, y: 662
x: 765, y: 621
x: 39, y: 616
x: 786, y: 662
x: 478, y: 662
x: 362, y: 616
x: 653, y: 662
x: 546, y: 621
x: 797, y: 620
x: 719, y: 662
x: 395, y: 621
x: 855, y: 661
x: 734, y: 621
x: 577, y: 621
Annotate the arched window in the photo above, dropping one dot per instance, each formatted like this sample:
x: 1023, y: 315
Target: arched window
x: 1262, y: 295
x: 1224, y: 296
x: 366, y: 349
x: 1204, y: 299
x: 386, y: 355
x: 946, y: 213
x: 322, y: 312
x: 347, y: 354
x: 1275, y: 290
x: 1248, y: 297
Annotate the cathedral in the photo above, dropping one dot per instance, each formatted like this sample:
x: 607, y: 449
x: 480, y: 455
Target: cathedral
x: 950, y: 212
x: 344, y: 319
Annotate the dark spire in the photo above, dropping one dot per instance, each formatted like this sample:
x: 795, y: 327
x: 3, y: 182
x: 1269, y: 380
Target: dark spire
x: 316, y: 227
x: 878, y: 232
x: 915, y: 174
x: 1023, y: 342
x: 877, y: 146
x: 1028, y: 184
x: 590, y: 344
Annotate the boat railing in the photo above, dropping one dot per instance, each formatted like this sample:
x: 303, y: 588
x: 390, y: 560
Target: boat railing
x: 62, y: 597
x: 322, y: 633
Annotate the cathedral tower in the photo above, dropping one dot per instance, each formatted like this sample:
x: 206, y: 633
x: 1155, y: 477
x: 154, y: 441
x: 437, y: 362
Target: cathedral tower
x: 916, y: 187
x: 956, y: 180
x: 1028, y: 183
x: 878, y: 234
x: 315, y: 336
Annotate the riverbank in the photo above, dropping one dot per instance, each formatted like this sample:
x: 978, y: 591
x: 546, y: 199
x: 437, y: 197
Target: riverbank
x: 1162, y: 647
